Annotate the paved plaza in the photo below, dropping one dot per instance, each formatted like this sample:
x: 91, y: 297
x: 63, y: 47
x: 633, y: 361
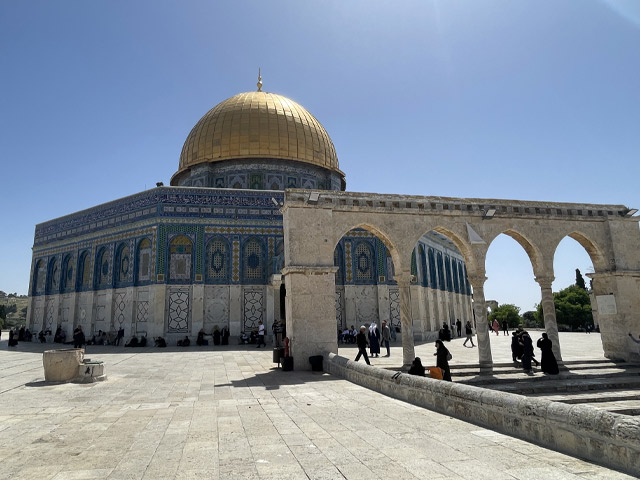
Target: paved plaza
x: 228, y: 412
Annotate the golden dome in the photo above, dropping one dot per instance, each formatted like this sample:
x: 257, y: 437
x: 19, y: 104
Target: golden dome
x: 258, y: 125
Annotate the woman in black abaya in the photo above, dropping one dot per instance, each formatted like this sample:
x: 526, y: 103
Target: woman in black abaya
x: 548, y: 362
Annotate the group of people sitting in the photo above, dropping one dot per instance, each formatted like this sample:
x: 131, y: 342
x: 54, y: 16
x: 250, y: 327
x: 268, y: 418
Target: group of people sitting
x: 348, y: 335
x: 21, y: 334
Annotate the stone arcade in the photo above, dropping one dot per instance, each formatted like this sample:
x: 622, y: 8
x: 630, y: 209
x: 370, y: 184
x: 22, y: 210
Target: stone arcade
x: 607, y: 232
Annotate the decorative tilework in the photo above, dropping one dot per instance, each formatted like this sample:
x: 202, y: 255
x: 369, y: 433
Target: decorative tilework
x: 394, y: 307
x: 363, y: 262
x: 253, y: 308
x: 349, y: 269
x: 217, y: 260
x: 339, y: 302
x: 179, y: 310
x: 253, y: 260
x: 142, y: 311
x: 50, y: 314
x: 119, y: 306
x: 236, y: 259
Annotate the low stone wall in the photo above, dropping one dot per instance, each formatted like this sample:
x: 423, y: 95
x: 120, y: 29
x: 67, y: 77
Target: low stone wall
x: 581, y: 431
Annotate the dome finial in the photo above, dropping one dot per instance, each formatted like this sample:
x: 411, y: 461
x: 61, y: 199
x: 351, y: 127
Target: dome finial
x: 259, y: 81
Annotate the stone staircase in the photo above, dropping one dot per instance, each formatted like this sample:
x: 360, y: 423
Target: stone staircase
x: 602, y: 383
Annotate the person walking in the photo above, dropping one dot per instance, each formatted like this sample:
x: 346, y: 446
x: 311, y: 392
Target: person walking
x: 459, y: 327
x: 261, y: 334
x: 469, y: 332
x: 442, y: 360
x: 496, y: 326
x: 386, y: 337
x: 505, y: 327
x: 374, y: 339
x: 547, y: 358
x: 362, y: 342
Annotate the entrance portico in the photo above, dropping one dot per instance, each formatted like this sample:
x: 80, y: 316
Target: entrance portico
x: 313, y: 228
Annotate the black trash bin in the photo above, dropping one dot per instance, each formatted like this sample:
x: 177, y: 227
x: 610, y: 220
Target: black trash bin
x: 287, y: 364
x: 316, y: 363
x: 278, y: 354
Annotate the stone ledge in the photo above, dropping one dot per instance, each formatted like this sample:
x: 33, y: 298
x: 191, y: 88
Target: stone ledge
x: 582, y: 431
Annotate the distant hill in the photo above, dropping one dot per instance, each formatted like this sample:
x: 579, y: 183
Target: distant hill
x: 11, y: 302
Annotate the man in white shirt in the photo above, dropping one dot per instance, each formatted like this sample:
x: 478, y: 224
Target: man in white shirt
x: 261, y: 335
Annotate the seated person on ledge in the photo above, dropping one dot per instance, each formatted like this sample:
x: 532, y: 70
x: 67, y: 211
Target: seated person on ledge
x: 133, y: 342
x: 417, y: 368
x: 184, y: 343
x: 160, y: 342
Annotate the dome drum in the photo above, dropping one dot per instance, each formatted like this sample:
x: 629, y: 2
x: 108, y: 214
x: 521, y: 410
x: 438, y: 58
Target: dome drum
x: 264, y: 128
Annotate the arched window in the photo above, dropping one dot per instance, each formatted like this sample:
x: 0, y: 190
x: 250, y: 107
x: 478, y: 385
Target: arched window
x: 433, y: 283
x: 123, y: 268
x: 447, y: 268
x: 83, y: 279
x: 180, y: 259
x: 143, y: 259
x: 253, y: 259
x: 66, y: 276
x: 217, y: 268
x: 454, y: 274
x: 423, y: 267
x: 39, y: 277
x: 441, y: 284
x: 364, y: 267
x: 101, y: 276
x: 463, y: 289
x: 53, y: 276
x: 338, y: 261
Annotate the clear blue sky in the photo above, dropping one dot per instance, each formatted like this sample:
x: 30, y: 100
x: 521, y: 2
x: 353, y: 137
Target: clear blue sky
x: 521, y: 99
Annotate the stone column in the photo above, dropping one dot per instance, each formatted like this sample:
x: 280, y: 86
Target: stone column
x: 406, y: 320
x: 549, y: 313
x: 482, y: 333
x: 311, y: 312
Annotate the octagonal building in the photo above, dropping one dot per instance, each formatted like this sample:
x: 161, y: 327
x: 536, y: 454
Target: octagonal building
x: 207, y: 251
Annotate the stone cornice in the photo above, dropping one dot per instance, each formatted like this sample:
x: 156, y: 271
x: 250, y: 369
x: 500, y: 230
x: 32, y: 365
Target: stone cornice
x: 470, y: 207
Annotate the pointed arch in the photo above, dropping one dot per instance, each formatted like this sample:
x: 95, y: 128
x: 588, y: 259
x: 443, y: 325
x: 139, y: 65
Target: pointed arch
x: 144, y: 262
x: 122, y: 266
x: 218, y: 260
x: 83, y: 277
x: 253, y: 260
x: 180, y: 259
x: 598, y: 259
x: 66, y: 274
x: 53, y: 277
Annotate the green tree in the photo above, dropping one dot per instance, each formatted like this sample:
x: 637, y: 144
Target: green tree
x: 580, y: 280
x: 529, y: 319
x: 508, y: 312
x: 573, y: 307
x: 3, y: 312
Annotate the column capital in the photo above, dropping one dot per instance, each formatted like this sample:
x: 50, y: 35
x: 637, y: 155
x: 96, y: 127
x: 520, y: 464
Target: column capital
x: 477, y: 281
x: 545, y: 281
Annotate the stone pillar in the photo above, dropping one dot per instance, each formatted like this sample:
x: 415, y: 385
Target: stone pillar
x: 482, y: 333
x: 311, y: 312
x: 406, y: 320
x: 549, y: 313
x: 617, y: 296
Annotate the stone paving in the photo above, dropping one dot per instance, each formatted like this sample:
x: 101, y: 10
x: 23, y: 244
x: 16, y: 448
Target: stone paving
x: 227, y: 412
